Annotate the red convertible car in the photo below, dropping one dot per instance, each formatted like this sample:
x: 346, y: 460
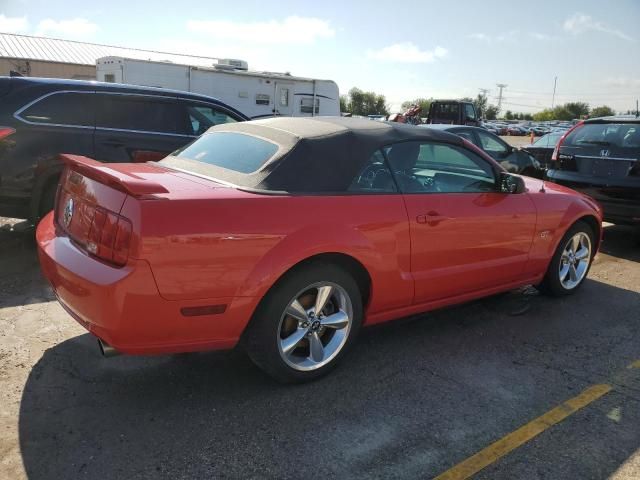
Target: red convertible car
x: 286, y: 235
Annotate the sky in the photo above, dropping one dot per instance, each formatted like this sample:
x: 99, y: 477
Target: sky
x: 403, y: 49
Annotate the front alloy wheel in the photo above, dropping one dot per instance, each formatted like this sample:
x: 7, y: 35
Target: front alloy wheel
x: 574, y: 261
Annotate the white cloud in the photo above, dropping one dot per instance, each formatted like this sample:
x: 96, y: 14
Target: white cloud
x: 71, y: 28
x: 483, y: 37
x: 294, y: 30
x: 622, y: 82
x: 480, y: 36
x: 13, y: 24
x: 407, y: 52
x: 581, y: 23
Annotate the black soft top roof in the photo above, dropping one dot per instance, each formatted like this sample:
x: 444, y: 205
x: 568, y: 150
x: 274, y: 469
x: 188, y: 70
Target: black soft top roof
x: 321, y: 154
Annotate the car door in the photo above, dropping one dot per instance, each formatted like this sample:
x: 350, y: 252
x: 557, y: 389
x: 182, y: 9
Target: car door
x: 466, y: 236
x: 139, y: 128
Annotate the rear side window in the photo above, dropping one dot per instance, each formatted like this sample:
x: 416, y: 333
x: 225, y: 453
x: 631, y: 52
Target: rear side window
x: 234, y: 151
x: 140, y: 113
x: 202, y: 116
x: 70, y: 108
x: 606, y: 135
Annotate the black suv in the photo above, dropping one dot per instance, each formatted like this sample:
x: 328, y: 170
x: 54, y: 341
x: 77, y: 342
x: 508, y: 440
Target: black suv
x: 601, y: 157
x: 41, y: 118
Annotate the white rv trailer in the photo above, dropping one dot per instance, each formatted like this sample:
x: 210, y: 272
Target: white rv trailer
x: 256, y: 94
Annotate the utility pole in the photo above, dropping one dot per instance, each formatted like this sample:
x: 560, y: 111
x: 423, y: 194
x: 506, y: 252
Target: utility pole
x: 500, y: 86
x: 553, y: 99
x: 484, y: 91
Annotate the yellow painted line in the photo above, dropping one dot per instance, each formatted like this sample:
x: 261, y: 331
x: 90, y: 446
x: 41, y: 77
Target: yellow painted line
x: 635, y: 364
x: 502, y: 447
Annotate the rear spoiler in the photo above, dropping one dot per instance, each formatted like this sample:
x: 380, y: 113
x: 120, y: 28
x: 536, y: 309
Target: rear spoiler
x: 114, y: 175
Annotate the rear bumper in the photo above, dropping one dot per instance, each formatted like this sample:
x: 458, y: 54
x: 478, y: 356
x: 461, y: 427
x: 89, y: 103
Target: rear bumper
x: 123, y: 307
x: 620, y: 199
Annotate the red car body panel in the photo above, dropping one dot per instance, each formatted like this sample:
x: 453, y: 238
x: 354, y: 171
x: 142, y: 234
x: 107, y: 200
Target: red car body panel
x: 198, y: 243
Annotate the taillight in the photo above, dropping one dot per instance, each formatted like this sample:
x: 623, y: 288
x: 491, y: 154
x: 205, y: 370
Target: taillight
x: 109, y: 237
x: 6, y: 131
x: 556, y: 151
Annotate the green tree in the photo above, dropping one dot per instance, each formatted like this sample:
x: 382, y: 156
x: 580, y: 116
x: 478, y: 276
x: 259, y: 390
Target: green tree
x: 425, y: 103
x: 344, y: 103
x: 603, y: 111
x: 481, y: 103
x: 508, y: 115
x: 491, y: 112
x: 544, y: 116
x: 577, y: 109
x: 366, y: 103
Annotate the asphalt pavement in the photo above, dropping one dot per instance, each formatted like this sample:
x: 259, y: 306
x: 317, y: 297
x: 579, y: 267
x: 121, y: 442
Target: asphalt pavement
x: 413, y: 399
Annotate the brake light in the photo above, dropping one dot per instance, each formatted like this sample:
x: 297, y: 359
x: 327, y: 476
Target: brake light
x: 6, y: 131
x: 556, y: 151
x: 109, y: 237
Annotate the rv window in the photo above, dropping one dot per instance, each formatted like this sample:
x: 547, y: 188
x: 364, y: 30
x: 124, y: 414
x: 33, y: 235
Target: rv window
x: 284, y: 97
x: 306, y: 105
x: 201, y: 117
x: 61, y: 109
x: 262, y: 99
x: 109, y: 78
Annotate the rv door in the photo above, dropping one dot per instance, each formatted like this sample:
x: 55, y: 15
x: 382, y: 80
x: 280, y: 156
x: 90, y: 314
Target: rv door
x: 283, y: 99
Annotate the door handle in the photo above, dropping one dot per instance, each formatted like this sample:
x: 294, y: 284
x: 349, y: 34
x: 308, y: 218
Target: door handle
x: 112, y: 142
x: 431, y: 218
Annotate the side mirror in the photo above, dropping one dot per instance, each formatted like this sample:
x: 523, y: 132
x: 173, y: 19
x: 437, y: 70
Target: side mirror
x: 510, y: 183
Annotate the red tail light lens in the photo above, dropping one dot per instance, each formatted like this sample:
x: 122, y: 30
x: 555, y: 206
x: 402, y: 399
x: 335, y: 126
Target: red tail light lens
x: 109, y: 237
x: 556, y: 151
x: 6, y: 131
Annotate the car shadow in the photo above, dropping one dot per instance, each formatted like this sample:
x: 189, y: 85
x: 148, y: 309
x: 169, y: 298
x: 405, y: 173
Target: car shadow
x: 407, y: 401
x: 622, y: 241
x: 21, y: 282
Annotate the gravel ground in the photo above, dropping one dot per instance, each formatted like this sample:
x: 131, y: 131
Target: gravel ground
x: 411, y: 400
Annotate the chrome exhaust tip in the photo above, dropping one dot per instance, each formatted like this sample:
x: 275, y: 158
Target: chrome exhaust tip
x: 107, y: 350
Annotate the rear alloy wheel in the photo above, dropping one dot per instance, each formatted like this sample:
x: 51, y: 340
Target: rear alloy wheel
x: 306, y: 323
x: 571, y: 261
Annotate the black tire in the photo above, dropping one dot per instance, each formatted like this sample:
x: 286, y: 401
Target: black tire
x: 48, y: 198
x: 551, y: 283
x: 263, y: 333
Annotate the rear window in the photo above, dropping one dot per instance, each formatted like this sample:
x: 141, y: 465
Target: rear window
x: 234, y: 151
x: 624, y: 135
x: 446, y: 111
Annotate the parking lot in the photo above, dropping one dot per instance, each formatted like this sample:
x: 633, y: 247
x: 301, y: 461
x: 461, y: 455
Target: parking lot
x: 412, y: 400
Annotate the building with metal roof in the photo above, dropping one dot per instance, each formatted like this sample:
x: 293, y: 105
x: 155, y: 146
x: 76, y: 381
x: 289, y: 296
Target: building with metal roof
x: 55, y: 58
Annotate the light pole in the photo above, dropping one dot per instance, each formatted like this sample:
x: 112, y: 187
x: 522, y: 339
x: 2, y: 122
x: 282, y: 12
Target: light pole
x: 553, y: 99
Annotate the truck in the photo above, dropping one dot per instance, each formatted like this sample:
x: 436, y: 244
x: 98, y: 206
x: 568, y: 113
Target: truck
x: 454, y: 112
x: 254, y: 93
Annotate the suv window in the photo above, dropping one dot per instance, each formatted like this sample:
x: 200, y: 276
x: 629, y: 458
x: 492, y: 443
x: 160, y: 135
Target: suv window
x: 61, y: 109
x: 446, y: 111
x: 438, y: 168
x: 232, y: 151
x: 374, y: 177
x: 202, y: 116
x: 140, y: 113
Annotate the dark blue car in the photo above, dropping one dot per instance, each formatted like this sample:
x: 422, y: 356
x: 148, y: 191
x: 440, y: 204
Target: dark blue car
x: 41, y: 118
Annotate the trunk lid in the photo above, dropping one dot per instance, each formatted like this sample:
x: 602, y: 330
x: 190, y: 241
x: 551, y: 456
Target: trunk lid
x: 91, y: 196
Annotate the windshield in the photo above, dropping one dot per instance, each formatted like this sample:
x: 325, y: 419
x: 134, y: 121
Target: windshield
x: 625, y: 135
x: 233, y: 151
x: 549, y: 140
